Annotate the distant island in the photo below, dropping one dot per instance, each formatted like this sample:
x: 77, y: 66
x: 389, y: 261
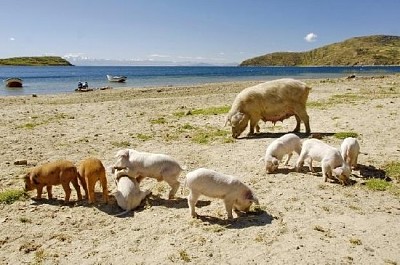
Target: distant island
x: 368, y: 50
x: 35, y: 61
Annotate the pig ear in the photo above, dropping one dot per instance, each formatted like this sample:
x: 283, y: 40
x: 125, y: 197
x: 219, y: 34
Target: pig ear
x: 337, y: 171
x: 250, y: 196
x: 35, y: 179
x: 123, y: 153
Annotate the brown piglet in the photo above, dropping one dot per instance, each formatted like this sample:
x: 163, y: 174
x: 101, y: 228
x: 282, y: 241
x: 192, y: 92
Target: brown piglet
x: 53, y: 173
x: 92, y: 170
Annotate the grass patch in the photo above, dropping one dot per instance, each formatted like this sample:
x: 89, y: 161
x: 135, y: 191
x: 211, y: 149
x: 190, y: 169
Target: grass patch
x: 121, y: 144
x: 25, y: 220
x: 378, y: 184
x: 210, y: 134
x: 40, y: 256
x: 344, y: 135
x: 160, y: 120
x: 355, y: 241
x: 144, y: 137
x: 184, y: 256
x: 392, y: 169
x: 207, y: 111
x: 44, y: 121
x: 11, y: 196
x: 335, y: 100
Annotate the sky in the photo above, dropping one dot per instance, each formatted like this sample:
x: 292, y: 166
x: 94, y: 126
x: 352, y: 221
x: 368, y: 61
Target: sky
x: 201, y: 31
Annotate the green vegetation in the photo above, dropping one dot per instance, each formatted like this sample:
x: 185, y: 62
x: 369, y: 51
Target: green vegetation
x: 160, y: 120
x: 368, y: 50
x: 355, y: 241
x: 210, y: 134
x: 25, y: 220
x: 44, y: 121
x: 184, y: 256
x: 347, y: 98
x: 207, y: 111
x: 35, y: 61
x: 378, y: 184
x: 144, y: 137
x: 123, y: 144
x: 10, y: 196
x: 344, y: 135
x: 392, y: 169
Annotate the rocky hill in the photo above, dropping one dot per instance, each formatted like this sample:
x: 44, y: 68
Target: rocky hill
x: 35, y: 61
x: 368, y: 50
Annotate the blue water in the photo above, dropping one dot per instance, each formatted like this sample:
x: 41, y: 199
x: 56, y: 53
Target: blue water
x: 55, y: 80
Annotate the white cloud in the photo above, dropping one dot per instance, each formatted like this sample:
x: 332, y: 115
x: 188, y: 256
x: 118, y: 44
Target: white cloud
x: 78, y: 55
x: 159, y: 56
x: 12, y: 39
x: 311, y: 37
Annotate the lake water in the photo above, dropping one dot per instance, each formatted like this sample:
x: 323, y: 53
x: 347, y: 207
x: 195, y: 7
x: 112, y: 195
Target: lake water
x: 64, y: 79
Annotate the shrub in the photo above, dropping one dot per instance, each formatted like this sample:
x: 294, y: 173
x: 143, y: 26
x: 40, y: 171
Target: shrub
x: 10, y: 196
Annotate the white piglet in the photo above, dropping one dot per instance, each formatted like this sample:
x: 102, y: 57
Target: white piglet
x: 236, y: 195
x: 332, y: 163
x: 128, y: 194
x: 284, y: 145
x: 350, y: 149
x: 157, y: 166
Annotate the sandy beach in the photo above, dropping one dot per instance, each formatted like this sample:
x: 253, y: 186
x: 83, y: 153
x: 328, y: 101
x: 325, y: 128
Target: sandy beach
x: 301, y: 220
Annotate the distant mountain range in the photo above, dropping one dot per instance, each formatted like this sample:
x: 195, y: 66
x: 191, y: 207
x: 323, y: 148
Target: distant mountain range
x: 35, y: 61
x: 83, y: 61
x: 367, y: 50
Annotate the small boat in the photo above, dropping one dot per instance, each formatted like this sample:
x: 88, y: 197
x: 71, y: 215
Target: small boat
x: 13, y: 82
x: 116, y: 78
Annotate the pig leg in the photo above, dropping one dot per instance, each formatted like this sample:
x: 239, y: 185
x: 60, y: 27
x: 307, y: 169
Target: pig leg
x: 298, y: 121
x: 77, y: 188
x: 174, y: 188
x: 302, y: 114
x: 253, y: 124
x: 84, y: 185
x: 300, y: 161
x: 170, y: 175
x: 67, y: 190
x: 228, y: 208
x: 91, y: 185
x: 192, y: 200
x: 39, y: 192
x: 49, y: 192
x: 310, y: 166
x: 103, y: 182
x: 288, y: 158
x: 326, y: 171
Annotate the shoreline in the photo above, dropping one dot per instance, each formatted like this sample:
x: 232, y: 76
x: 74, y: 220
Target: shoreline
x: 316, y: 221
x: 42, y: 81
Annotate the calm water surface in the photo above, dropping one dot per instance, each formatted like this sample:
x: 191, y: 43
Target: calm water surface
x: 56, y: 80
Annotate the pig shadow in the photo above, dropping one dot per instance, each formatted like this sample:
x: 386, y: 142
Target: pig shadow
x: 284, y: 170
x: 317, y: 135
x: 368, y: 172
x: 54, y: 202
x: 318, y: 173
x: 177, y: 203
x: 256, y: 218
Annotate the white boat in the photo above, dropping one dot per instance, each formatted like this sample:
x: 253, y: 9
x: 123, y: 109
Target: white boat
x: 116, y: 78
x: 13, y: 82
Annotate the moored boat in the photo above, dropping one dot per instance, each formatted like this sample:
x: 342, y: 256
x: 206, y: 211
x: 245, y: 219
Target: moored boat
x: 116, y: 78
x: 13, y: 82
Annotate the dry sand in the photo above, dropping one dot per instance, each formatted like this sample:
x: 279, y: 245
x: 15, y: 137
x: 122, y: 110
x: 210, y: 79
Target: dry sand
x: 302, y: 219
